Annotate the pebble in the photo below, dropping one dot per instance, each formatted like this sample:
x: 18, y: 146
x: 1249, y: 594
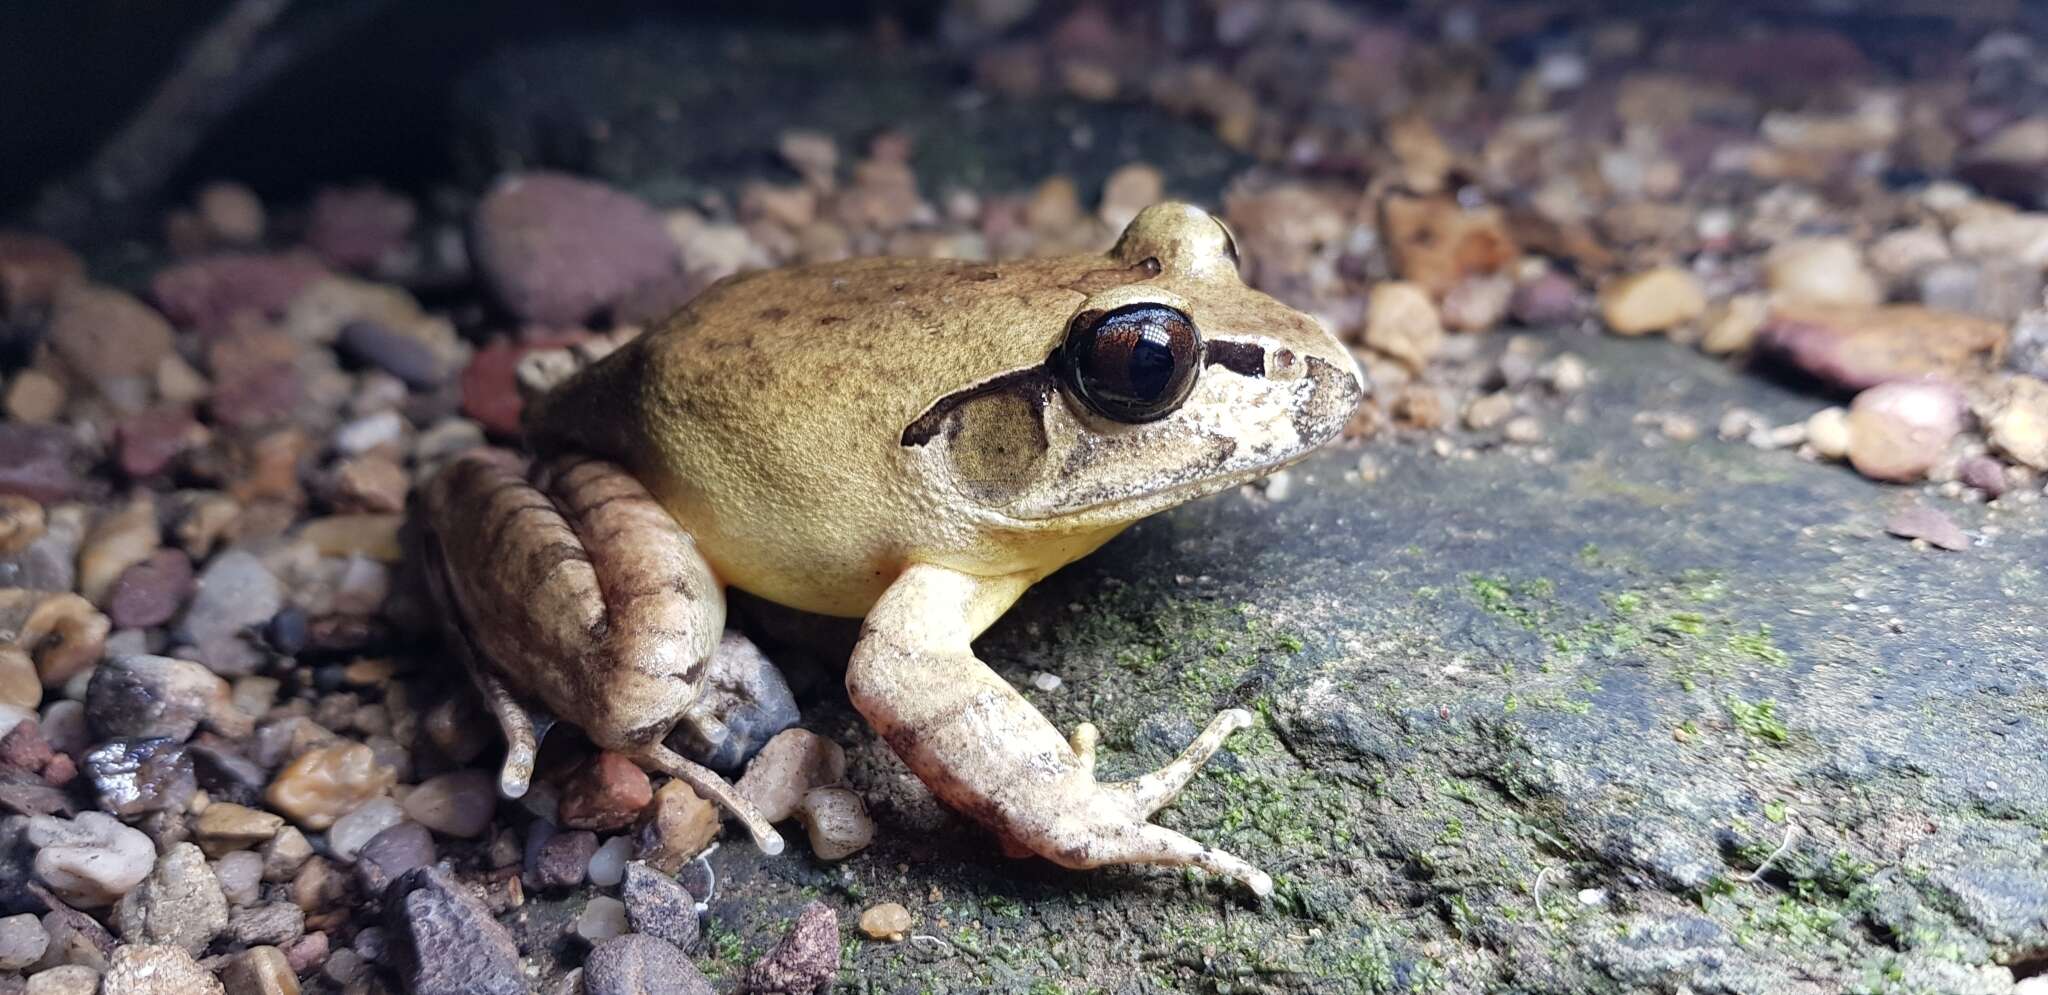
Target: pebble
x: 679, y: 825
x: 22, y: 941
x: 641, y: 965
x: 1900, y: 255
x: 2017, y: 423
x: 555, y: 249
x: 393, y: 852
x: 658, y: 906
x: 608, y: 864
x: 241, y: 876
x: 39, y: 462
x: 276, y: 924
x: 1489, y: 410
x: 179, y: 904
x: 1827, y: 431
x: 605, y: 792
x: 33, y: 268
x: 1732, y: 324
x: 156, y: 970
x: 1655, y: 300
x: 1821, y: 271
x: 21, y: 523
x: 207, y: 293
x: 260, y: 971
x: 91, y: 860
x: 149, y: 593
x: 838, y: 822
x: 235, y: 595
x: 1549, y: 300
x: 805, y: 960
x: 1130, y: 189
x: 749, y: 697
x: 137, y: 776
x: 1402, y: 322
x: 226, y: 827
x: 887, y: 921
x: 1435, y: 242
x: 64, y: 979
x: 1853, y: 348
x: 349, y: 832
x: 1523, y: 430
x: 1921, y: 522
x: 359, y: 228
x: 105, y: 335
x: 231, y: 212
x: 285, y: 854
x: 444, y: 940
x: 152, y: 696
x: 1983, y: 473
x: 307, y: 954
x: 561, y: 860
x: 34, y: 397
x: 1899, y: 431
x: 20, y: 685
x: 792, y: 763
x: 325, y: 783
x: 459, y: 803
x: 603, y: 918
x: 1479, y: 303
x: 392, y: 349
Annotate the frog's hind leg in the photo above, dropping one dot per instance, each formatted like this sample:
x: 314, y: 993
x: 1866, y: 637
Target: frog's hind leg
x: 985, y: 751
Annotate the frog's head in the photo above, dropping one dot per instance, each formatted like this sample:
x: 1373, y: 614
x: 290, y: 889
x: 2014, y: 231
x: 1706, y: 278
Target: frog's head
x: 1174, y: 382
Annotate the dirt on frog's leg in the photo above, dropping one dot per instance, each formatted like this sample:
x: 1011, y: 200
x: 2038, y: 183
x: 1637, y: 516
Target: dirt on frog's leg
x: 984, y: 750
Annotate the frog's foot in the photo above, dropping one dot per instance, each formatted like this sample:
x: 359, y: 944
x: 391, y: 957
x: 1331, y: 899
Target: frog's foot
x: 578, y: 591
x: 985, y: 751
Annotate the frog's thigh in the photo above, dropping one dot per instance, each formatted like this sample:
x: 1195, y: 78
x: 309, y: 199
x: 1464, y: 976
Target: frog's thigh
x: 559, y: 592
x: 988, y: 753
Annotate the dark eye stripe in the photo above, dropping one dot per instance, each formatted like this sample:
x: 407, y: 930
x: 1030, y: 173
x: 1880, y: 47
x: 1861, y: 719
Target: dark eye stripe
x: 1242, y: 358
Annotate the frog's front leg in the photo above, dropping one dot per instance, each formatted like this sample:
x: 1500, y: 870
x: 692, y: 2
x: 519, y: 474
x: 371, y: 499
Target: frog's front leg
x: 989, y: 754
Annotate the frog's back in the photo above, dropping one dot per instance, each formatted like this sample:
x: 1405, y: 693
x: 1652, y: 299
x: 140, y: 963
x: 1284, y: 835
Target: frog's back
x: 777, y: 401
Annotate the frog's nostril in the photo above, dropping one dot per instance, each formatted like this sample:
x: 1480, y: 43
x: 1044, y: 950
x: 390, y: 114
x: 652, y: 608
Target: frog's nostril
x: 1283, y: 365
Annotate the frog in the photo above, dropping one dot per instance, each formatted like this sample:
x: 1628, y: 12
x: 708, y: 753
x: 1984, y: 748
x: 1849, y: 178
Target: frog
x: 910, y: 442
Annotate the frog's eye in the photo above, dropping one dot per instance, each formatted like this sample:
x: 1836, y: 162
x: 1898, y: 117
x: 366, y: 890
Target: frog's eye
x: 1135, y: 363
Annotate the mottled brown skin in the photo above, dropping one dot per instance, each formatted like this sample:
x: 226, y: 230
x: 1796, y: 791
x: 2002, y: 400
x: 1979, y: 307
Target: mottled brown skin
x: 883, y: 438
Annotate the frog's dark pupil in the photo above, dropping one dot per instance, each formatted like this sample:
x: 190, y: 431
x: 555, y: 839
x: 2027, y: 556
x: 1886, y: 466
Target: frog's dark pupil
x: 1135, y: 363
x: 1151, y: 370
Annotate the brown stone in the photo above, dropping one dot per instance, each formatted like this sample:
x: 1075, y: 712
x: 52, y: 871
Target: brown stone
x: 1436, y: 243
x: 32, y: 269
x: 677, y: 826
x: 606, y: 792
x: 1854, y: 348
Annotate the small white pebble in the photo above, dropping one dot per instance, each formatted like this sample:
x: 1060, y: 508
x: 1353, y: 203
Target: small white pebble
x: 608, y: 864
x: 1279, y: 486
x: 1045, y: 682
x: 1592, y: 896
x: 603, y: 919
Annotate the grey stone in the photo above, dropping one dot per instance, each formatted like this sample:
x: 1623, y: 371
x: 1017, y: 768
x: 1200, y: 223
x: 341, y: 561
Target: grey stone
x: 445, y: 940
x: 641, y: 965
x: 748, y: 701
x: 277, y: 924
x: 22, y: 941
x: 658, y: 906
x: 805, y: 960
x: 139, y: 776
x: 151, y: 697
x: 561, y: 859
x: 157, y: 970
x: 236, y: 595
x: 393, y: 852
